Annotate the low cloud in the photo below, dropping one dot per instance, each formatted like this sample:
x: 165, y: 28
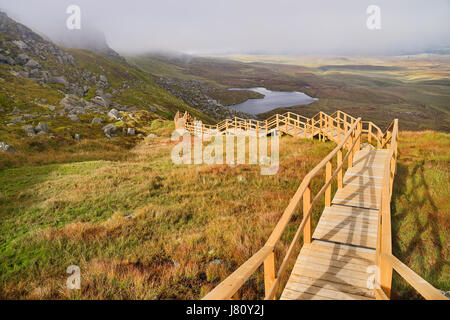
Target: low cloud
x: 250, y: 26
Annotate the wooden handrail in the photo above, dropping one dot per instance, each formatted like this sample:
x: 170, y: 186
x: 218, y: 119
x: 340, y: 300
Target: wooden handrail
x: 325, y: 124
x: 422, y: 286
x: 227, y: 288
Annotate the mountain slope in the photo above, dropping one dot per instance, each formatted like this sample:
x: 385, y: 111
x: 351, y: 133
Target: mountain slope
x: 65, y: 90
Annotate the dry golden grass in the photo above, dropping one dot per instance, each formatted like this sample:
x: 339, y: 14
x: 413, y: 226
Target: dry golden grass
x: 192, y: 225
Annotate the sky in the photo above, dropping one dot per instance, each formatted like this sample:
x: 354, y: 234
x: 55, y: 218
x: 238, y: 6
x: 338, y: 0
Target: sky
x: 291, y: 27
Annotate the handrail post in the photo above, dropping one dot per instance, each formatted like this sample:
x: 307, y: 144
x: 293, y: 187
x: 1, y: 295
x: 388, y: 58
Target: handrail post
x: 339, y: 163
x: 370, y: 133
x: 359, y: 132
x: 327, y: 179
x: 306, y: 206
x: 277, y: 122
x: 269, y: 272
x: 320, y: 128
x: 350, y: 149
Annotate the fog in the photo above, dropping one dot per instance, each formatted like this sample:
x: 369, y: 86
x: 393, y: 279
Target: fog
x: 291, y: 27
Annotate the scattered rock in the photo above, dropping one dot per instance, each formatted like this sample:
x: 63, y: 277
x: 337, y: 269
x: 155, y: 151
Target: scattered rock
x: 22, y: 59
x: 131, y: 132
x: 52, y: 108
x: 22, y: 45
x: 17, y: 119
x: 110, y: 130
x: 100, y: 101
x: 4, y: 147
x: 7, y: 60
x: 130, y: 216
x: 59, y: 80
x: 73, y: 117
x: 97, y: 121
x: 114, y: 113
x: 152, y: 135
x: 77, y: 137
x: 42, y: 127
x: 103, y: 79
x: 32, y: 64
x: 216, y: 261
x: 29, y: 130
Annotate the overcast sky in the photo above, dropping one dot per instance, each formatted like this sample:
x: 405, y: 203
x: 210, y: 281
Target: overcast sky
x: 249, y: 26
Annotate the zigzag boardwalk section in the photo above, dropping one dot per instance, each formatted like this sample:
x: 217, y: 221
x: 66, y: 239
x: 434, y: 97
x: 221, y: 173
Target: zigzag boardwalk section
x: 349, y: 253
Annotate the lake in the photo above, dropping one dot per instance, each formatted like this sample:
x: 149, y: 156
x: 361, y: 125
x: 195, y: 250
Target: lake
x: 271, y: 100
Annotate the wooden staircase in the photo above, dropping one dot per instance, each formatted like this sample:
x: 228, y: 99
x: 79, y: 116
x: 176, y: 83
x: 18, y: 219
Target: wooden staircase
x: 349, y: 255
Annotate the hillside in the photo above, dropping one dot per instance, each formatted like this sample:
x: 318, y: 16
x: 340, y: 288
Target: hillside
x: 414, y: 89
x: 64, y: 90
x: 139, y: 229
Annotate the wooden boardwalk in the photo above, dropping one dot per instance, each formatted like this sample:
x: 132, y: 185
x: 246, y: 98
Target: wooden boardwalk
x: 349, y: 253
x: 336, y: 265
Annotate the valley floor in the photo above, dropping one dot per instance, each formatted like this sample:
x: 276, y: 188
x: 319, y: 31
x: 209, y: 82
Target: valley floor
x: 140, y: 227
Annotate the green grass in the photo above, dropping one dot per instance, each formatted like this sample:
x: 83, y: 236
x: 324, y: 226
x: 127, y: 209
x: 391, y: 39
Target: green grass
x: 56, y: 215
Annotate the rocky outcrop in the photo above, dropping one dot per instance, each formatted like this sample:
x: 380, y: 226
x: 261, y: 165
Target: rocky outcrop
x: 110, y: 130
x: 4, y: 147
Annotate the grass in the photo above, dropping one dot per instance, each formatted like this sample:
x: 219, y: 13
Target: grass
x: 56, y: 215
x: 189, y: 234
x: 421, y: 210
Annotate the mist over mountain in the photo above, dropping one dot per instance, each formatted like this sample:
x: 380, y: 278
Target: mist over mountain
x: 287, y: 27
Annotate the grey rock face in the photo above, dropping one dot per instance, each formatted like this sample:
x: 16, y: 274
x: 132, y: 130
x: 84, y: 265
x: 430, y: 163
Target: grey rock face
x: 131, y: 132
x: 4, y: 147
x: 100, y: 101
x: 42, y: 127
x: 113, y: 113
x: 32, y: 64
x: 29, y: 130
x: 74, y: 117
x: 22, y: 59
x: 110, y: 130
x: 59, y: 80
x: 17, y: 119
x: 22, y: 45
x: 97, y: 121
x: 7, y: 60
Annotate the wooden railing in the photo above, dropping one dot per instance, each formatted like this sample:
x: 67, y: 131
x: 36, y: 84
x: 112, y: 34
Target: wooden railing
x: 386, y: 262
x: 229, y: 287
x: 349, y: 133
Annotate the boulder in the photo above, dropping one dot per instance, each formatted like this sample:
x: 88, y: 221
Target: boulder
x: 42, y: 127
x: 110, y: 130
x: 97, y: 121
x: 17, y: 119
x: 32, y: 64
x: 22, y: 45
x: 59, y: 80
x: 152, y: 135
x: 100, y: 101
x: 22, y: 59
x: 77, y: 137
x: 114, y: 113
x: 4, y: 147
x: 103, y: 79
x: 29, y: 130
x: 7, y: 60
x: 74, y: 117
x: 131, y: 132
